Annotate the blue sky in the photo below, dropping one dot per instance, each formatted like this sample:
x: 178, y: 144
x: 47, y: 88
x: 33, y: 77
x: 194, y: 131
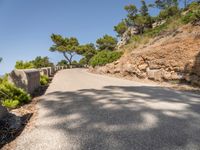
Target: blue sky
x: 26, y: 25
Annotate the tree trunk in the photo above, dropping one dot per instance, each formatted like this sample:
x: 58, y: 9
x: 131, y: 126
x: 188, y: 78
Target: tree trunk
x: 67, y: 58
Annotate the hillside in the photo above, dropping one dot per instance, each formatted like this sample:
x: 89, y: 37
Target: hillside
x: 173, y: 55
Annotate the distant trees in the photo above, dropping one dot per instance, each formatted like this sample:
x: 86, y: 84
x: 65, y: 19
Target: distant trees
x: 38, y: 62
x: 62, y: 63
x: 1, y: 59
x: 106, y: 43
x: 24, y: 65
x: 67, y: 46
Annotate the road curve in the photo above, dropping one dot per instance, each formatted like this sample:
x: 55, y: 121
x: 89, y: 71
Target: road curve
x: 84, y: 111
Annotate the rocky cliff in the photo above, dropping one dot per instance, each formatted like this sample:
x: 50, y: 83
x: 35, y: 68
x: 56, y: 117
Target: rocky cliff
x: 174, y: 55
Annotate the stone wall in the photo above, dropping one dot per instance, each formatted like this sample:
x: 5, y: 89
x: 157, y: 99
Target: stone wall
x: 29, y: 79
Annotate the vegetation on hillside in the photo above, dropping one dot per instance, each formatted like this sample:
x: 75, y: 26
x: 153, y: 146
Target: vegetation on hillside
x: 170, y: 17
x: 104, y: 57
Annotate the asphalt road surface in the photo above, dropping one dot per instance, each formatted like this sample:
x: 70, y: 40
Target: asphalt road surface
x: 84, y: 111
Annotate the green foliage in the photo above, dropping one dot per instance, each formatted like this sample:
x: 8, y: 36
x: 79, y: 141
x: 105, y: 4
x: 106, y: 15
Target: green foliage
x: 41, y: 62
x: 74, y: 62
x: 140, y: 18
x: 9, y: 103
x: 106, y: 42
x: 144, y: 10
x: 83, y: 61
x: 121, y: 28
x: 168, y: 12
x: 44, y: 80
x: 11, y: 96
x: 104, y: 57
x: 88, y: 51
x: 62, y: 63
x: 164, y: 4
x: 131, y: 10
x: 142, y: 22
x: 24, y: 65
x: 67, y: 46
x: 156, y: 31
x: 38, y: 62
x: 193, y: 13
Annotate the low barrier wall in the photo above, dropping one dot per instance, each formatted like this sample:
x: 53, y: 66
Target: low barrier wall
x: 29, y: 79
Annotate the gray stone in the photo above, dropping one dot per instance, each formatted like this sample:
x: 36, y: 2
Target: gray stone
x: 27, y: 79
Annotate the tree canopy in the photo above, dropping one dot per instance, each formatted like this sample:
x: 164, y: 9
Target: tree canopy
x: 38, y: 62
x: 67, y: 46
x: 121, y: 28
x: 88, y: 51
x: 106, y: 43
x: 163, y: 4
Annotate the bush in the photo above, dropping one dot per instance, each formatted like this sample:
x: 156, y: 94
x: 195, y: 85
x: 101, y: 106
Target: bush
x: 11, y: 96
x: 169, y: 12
x: 104, y: 57
x: 193, y: 13
x: 24, y: 65
x: 44, y: 80
x: 156, y: 31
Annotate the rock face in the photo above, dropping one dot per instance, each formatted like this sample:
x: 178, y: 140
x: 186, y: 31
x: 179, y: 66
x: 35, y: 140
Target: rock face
x: 174, y: 56
x: 127, y: 35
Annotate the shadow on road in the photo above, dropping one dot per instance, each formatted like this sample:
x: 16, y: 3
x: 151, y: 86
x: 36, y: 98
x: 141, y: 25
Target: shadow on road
x: 123, y: 117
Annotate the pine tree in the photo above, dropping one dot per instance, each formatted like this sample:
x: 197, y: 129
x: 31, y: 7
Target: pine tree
x: 144, y: 9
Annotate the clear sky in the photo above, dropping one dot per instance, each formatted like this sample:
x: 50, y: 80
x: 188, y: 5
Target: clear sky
x: 26, y: 25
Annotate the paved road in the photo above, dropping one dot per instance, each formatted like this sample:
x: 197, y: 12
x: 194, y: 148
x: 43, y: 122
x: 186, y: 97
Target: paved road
x: 83, y: 111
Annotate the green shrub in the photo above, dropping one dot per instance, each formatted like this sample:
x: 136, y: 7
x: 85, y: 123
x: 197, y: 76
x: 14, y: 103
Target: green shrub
x: 156, y: 31
x: 191, y: 17
x: 193, y: 13
x: 169, y: 12
x: 44, y: 80
x: 11, y: 96
x: 104, y: 57
x: 9, y: 103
